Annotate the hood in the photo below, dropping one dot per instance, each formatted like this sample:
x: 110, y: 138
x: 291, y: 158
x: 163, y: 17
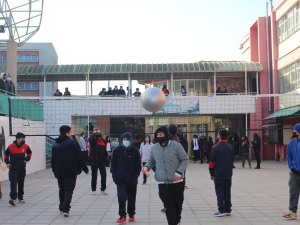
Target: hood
x: 15, y: 141
x: 173, y: 129
x: 165, y: 130
x: 62, y: 142
x: 127, y: 135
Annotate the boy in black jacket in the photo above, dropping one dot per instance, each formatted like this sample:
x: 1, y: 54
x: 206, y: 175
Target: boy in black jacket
x: 67, y: 162
x: 220, y: 168
x: 125, y: 168
x: 16, y: 156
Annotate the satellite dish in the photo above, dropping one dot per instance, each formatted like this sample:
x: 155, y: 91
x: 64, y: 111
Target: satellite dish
x: 20, y: 20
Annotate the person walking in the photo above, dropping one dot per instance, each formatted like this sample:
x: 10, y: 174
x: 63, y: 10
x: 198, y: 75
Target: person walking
x: 245, y: 150
x: 9, y: 85
x: 145, y: 154
x: 108, y: 149
x: 173, y: 133
x: 293, y: 160
x: 67, y: 163
x: 195, y: 148
x: 16, y: 157
x: 169, y: 175
x: 97, y: 160
x: 256, y: 147
x: 83, y: 147
x: 125, y: 169
x: 220, y: 169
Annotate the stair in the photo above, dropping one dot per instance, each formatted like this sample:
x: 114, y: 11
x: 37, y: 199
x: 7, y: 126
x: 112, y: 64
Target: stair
x: 48, y: 162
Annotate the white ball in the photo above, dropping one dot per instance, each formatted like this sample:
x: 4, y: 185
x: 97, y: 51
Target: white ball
x: 153, y: 99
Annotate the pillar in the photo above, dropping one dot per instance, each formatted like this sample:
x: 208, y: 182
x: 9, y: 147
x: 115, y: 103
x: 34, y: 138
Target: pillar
x: 129, y: 85
x: 172, y: 84
x: 11, y: 65
x: 215, y: 83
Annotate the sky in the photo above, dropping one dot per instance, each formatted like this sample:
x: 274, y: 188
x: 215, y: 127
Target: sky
x: 145, y: 31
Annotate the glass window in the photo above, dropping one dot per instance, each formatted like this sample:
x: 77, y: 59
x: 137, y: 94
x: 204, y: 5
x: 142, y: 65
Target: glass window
x: 27, y: 58
x: 20, y: 58
x: 191, y: 87
x: 293, y: 78
x: 281, y: 81
x: 27, y: 86
x: 21, y: 85
x: 177, y: 86
x: 298, y: 74
x: 4, y: 58
x: 197, y: 85
x: 204, y: 87
x: 34, y: 58
x: 34, y: 86
x: 287, y: 79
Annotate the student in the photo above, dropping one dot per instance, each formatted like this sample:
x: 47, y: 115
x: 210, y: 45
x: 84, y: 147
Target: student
x: 102, y: 92
x: 220, y: 168
x: 245, y: 150
x: 209, y: 145
x: 256, y: 147
x: 195, y: 148
x: 83, y: 147
x: 67, y: 93
x: 165, y: 90
x: 125, y: 169
x: 203, y: 144
x: 108, y: 149
x: 230, y: 140
x: 10, y: 86
x: 2, y: 81
x: 183, y: 91
x: 185, y: 146
x: 173, y: 133
x: 293, y: 160
x: 145, y: 154
x: 110, y: 92
x: 97, y: 160
x: 66, y: 162
x: 121, y: 91
x: 137, y: 93
x: 116, y: 91
x: 16, y: 157
x: 57, y: 93
x: 169, y: 175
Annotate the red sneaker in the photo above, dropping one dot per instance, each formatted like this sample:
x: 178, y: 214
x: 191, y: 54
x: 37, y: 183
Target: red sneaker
x: 121, y: 220
x: 131, y: 218
x: 291, y: 215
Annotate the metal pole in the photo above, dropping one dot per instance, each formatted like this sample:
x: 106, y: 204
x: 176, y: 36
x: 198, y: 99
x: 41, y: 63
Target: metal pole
x: 267, y: 32
x: 272, y: 44
x: 172, y: 84
x: 88, y: 99
x: 129, y: 85
x: 108, y: 83
x: 86, y: 87
x: 215, y: 83
x: 257, y: 88
x: 246, y: 83
x: 91, y: 87
x: 44, y: 85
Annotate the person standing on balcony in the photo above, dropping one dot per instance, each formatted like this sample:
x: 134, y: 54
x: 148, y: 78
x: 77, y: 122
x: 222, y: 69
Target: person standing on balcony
x: 116, y: 91
x: 122, y: 91
x: 183, y: 91
x: 67, y: 93
x: 293, y: 160
x: 109, y: 92
x: 83, y: 146
x: 165, y: 90
x: 245, y: 146
x: 137, y: 93
x: 98, y: 160
x: 16, y: 157
x: 10, y: 86
x: 256, y: 147
x: 103, y: 92
x: 128, y: 93
x: 57, y: 93
x: 2, y: 81
x: 224, y: 91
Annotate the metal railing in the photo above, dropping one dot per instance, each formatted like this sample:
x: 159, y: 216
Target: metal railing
x: 49, y: 144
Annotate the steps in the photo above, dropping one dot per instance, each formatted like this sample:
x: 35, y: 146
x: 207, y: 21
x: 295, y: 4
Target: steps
x: 48, y: 162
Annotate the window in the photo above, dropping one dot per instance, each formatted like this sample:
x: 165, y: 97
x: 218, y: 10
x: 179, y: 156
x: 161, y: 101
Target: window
x: 20, y: 58
x: 27, y: 58
x: 34, y: 58
x: 28, y: 86
x: 199, y: 129
x: 4, y: 58
x: 289, y: 77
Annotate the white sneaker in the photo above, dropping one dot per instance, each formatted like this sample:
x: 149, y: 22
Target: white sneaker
x: 242, y: 168
x: 21, y: 201
x: 66, y: 214
x: 94, y: 192
x: 103, y: 192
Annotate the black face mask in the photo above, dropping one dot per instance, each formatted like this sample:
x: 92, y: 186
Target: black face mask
x: 294, y: 134
x: 161, y: 140
x: 178, y: 134
x: 4, y: 78
x: 22, y: 142
x: 99, y: 135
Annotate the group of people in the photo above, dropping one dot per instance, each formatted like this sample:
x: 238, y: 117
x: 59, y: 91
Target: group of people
x: 119, y: 92
x: 222, y: 91
x: 66, y: 93
x: 167, y: 93
x: 6, y: 84
x: 201, y: 148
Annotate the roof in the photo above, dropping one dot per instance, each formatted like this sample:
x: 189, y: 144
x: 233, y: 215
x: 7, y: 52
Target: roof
x: 138, y: 71
x: 283, y: 113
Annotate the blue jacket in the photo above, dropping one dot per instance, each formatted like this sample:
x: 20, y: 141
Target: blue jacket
x: 293, y: 154
x: 67, y: 160
x: 126, y: 171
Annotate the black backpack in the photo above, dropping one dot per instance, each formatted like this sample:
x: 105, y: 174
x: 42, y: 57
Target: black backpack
x: 118, y: 152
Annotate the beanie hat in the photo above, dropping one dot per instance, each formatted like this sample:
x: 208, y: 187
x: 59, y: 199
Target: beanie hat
x: 20, y: 135
x: 173, y: 129
x: 297, y: 127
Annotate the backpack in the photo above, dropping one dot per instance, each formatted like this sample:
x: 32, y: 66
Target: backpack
x: 118, y: 152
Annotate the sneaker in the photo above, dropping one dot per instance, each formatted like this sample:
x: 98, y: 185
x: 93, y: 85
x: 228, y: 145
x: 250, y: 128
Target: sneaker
x: 249, y: 167
x: 103, y: 192
x: 94, y: 192
x: 66, y: 214
x: 290, y: 215
x: 227, y: 214
x: 21, y: 201
x: 219, y: 214
x: 163, y: 210
x: 131, y: 218
x: 242, y: 168
x: 121, y: 220
x: 257, y: 168
x: 12, y: 202
x: 145, y: 182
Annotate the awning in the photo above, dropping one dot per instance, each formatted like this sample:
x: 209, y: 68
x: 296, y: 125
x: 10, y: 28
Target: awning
x: 283, y: 113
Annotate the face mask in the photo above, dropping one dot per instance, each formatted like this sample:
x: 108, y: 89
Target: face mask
x: 161, y: 140
x: 4, y: 78
x: 126, y: 144
x: 9, y: 78
x: 294, y: 133
x: 22, y: 142
x: 178, y: 134
x: 108, y: 139
x: 83, y: 136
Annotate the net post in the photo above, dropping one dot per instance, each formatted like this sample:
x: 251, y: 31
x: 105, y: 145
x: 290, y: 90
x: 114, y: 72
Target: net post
x: 9, y: 116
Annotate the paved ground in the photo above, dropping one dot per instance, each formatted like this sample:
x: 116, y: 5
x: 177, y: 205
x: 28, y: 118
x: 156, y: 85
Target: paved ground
x: 258, y: 197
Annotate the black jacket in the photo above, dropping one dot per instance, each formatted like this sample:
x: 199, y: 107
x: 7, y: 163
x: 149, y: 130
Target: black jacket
x: 245, y: 148
x: 221, y: 160
x: 97, y: 153
x: 256, y: 143
x: 203, y: 145
x: 67, y: 160
x: 122, y: 92
x: 209, y: 144
x: 115, y: 92
x: 174, y: 138
x: 126, y: 171
x: 2, y: 85
x: 184, y: 143
x: 10, y: 87
x: 15, y: 155
x: 57, y: 94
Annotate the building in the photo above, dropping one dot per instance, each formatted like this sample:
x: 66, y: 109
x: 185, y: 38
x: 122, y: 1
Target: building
x: 278, y: 113
x: 31, y: 54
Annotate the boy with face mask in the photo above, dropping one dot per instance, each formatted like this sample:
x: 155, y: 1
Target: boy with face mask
x: 9, y: 85
x: 125, y: 169
x: 16, y: 156
x: 2, y: 81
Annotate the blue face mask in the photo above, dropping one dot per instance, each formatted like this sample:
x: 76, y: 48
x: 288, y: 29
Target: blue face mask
x: 9, y: 78
x: 83, y: 136
x: 126, y: 144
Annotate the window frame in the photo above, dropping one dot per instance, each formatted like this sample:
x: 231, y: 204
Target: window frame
x: 31, y: 83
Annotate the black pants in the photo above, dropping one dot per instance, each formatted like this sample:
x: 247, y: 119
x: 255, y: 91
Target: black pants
x: 172, y: 197
x: 246, y: 157
x: 126, y: 193
x: 257, y: 157
x: 207, y: 156
x: 145, y: 176
x: 223, y: 192
x: 85, y: 155
x: 201, y: 155
x: 66, y: 188
x: 102, y: 169
x: 196, y: 155
x: 17, y: 178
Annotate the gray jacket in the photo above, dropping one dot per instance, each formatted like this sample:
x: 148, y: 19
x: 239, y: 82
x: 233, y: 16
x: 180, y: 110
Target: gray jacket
x: 168, y: 160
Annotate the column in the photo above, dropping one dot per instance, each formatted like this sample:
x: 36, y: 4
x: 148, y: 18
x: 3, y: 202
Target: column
x: 215, y: 83
x: 91, y: 87
x: 172, y: 85
x: 246, y: 83
x: 257, y: 86
x: 11, y: 65
x: 44, y: 85
x: 129, y: 85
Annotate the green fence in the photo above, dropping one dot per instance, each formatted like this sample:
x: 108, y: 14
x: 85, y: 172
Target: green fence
x: 4, y: 109
x: 49, y: 144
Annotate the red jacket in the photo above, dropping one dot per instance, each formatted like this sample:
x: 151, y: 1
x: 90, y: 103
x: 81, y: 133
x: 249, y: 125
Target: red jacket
x: 15, y: 155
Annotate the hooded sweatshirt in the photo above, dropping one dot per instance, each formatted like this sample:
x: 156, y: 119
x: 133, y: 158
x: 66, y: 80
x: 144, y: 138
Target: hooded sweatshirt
x: 15, y: 155
x: 126, y: 170
x: 67, y: 160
